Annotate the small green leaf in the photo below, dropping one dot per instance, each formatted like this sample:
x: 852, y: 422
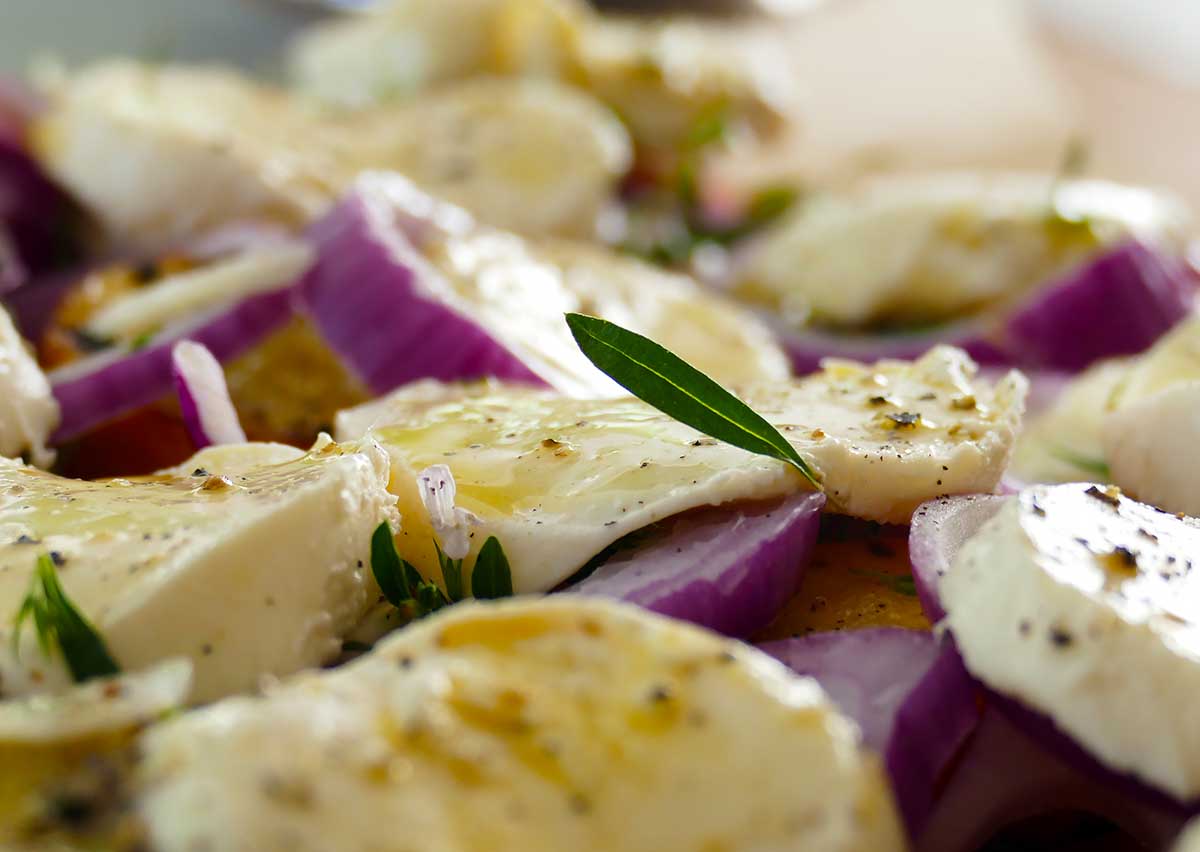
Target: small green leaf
x: 429, y: 598
x: 667, y: 382
x: 56, y: 621
x: 492, y: 576
x: 388, y: 567
x: 451, y: 574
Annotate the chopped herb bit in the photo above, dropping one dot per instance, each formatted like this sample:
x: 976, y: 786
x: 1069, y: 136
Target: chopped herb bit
x: 665, y: 381
x: 1109, y: 495
x: 904, y: 419
x: 58, y: 622
x: 901, y: 584
x: 451, y: 574
x: 141, y: 341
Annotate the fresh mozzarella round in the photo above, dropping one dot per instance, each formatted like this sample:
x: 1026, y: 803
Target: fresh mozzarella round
x: 28, y: 412
x: 527, y: 155
x: 1150, y: 446
x: 941, y: 246
x: 249, y: 560
x: 557, y: 480
x: 1175, y: 358
x: 887, y: 436
x: 1084, y: 605
x: 1190, y: 840
x: 546, y: 724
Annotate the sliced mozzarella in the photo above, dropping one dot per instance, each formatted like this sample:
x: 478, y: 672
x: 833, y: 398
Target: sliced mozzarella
x: 97, y: 707
x: 526, y: 725
x: 248, y: 559
x: 47, y: 740
x: 526, y: 155
x: 557, y: 480
x: 1084, y: 605
x: 1150, y: 446
x: 28, y: 412
x: 941, y: 246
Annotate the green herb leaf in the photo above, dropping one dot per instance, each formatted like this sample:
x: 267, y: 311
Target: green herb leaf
x: 57, y: 622
x: 1087, y: 464
x: 451, y: 574
x: 662, y: 379
x: 387, y: 566
x: 491, y: 577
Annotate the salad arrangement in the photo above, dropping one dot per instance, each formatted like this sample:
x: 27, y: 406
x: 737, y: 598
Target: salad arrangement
x: 363, y: 488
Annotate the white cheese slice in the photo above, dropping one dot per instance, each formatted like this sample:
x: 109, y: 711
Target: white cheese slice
x: 525, y: 725
x: 941, y: 245
x: 527, y: 155
x: 248, y: 560
x: 1189, y: 841
x: 1085, y: 605
x: 1150, y: 446
x: 28, y: 411
x: 557, y: 480
x: 97, y: 707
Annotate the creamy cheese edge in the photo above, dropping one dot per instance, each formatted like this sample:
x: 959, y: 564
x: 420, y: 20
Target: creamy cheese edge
x: 249, y: 560
x: 1085, y: 605
x: 544, y: 724
x: 557, y: 480
x: 28, y: 410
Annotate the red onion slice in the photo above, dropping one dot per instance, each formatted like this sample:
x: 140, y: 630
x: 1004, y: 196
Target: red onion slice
x: 106, y: 385
x: 939, y: 528
x: 385, y: 310
x: 728, y: 568
x: 910, y: 695
x: 1118, y: 303
x: 1004, y: 776
x: 208, y: 412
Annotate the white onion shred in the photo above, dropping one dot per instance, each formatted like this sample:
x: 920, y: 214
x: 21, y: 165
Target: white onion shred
x: 452, y: 525
x: 208, y: 411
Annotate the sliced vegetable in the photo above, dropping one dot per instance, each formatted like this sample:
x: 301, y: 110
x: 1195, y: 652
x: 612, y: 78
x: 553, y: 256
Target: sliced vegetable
x: 939, y: 529
x: 909, y: 693
x: 98, y: 389
x: 388, y: 312
x: 729, y: 568
x: 1118, y: 303
x: 208, y: 412
x: 1005, y: 777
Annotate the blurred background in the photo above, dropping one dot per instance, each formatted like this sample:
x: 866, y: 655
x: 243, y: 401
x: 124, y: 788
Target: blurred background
x: 876, y: 85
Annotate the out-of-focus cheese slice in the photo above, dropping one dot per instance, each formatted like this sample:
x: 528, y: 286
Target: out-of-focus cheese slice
x: 557, y: 480
x: 45, y: 738
x: 1063, y: 442
x: 1150, y: 446
x: 1189, y: 841
x: 941, y: 246
x: 661, y: 74
x: 524, y: 725
x: 1085, y: 605
x: 526, y: 155
x: 28, y: 412
x: 249, y: 560
x: 519, y: 289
